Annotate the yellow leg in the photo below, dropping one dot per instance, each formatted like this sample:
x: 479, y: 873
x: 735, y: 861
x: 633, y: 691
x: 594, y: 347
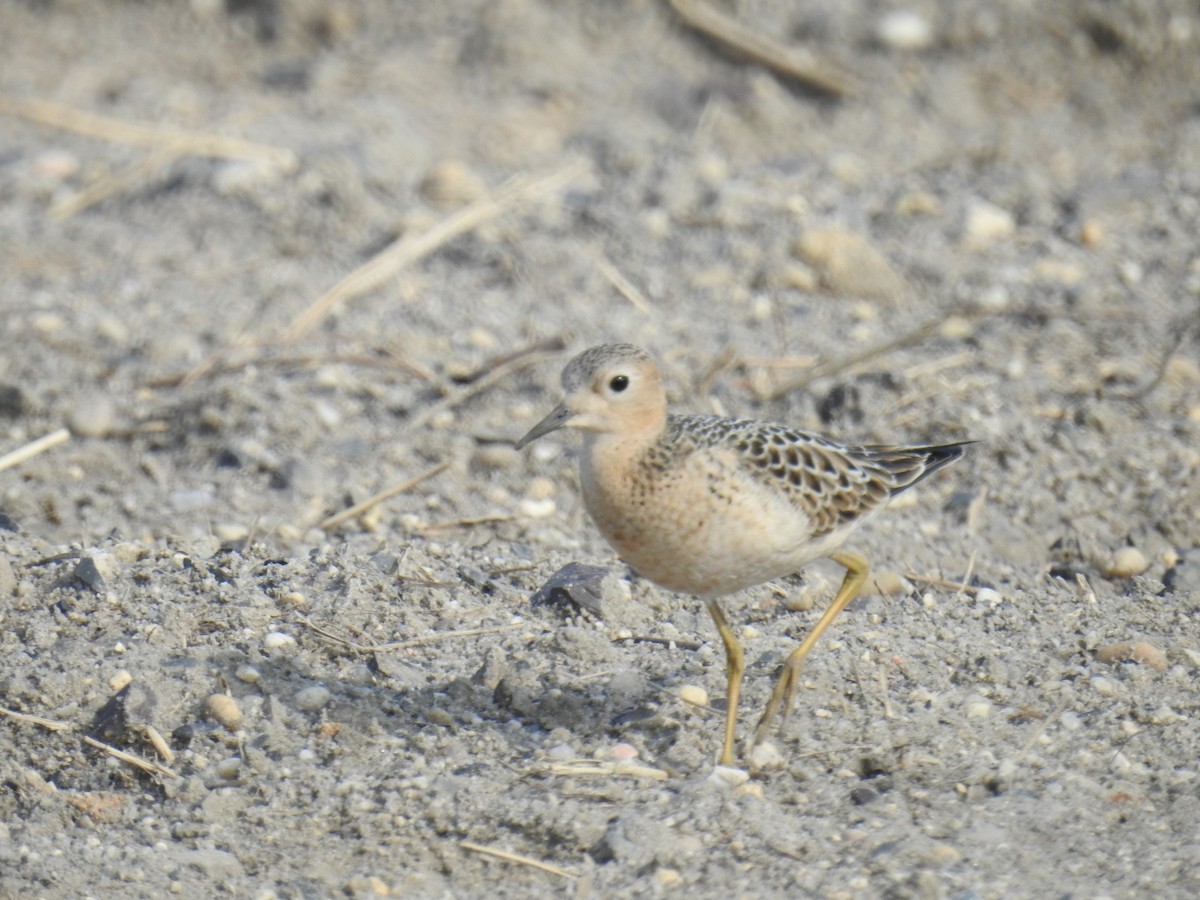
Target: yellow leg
x: 785, y: 688
x: 735, y: 666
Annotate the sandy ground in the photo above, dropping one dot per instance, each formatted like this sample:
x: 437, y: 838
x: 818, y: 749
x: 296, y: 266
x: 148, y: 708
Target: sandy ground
x: 993, y: 236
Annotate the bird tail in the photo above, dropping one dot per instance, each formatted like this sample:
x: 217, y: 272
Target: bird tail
x: 908, y: 465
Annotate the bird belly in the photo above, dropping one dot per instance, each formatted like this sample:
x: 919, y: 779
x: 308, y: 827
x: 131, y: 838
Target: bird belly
x: 702, y: 530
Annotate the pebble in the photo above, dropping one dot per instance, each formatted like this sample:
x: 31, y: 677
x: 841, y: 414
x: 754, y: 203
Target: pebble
x: 120, y: 680
x: 230, y: 533
x: 624, y: 751
x: 452, y: 184
x: 989, y: 596
x: 903, y: 29
x: 538, y: 509
x: 987, y: 224
x: 750, y: 633
x: 245, y: 176
x: 223, y: 710
x: 92, y: 416
x: 540, y: 488
x: 1127, y: 562
x: 668, y: 877
x: 277, y: 640
x: 562, y: 752
x: 890, y: 583
x: 495, y: 457
x: 693, y: 694
x: 248, y: 674
x: 979, y: 709
x: 848, y: 265
x: 95, y: 571
x: 1133, y: 651
x: 229, y: 768
x: 765, y: 757
x: 728, y: 777
x: 313, y: 698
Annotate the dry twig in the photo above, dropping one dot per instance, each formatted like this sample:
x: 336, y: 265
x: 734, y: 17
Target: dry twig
x: 139, y: 762
x: 410, y: 248
x: 359, y: 508
x: 184, y: 142
x: 791, y: 62
x: 33, y: 448
x: 517, y: 858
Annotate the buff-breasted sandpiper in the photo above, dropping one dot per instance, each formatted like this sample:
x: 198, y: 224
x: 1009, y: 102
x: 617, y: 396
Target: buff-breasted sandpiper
x: 708, y: 505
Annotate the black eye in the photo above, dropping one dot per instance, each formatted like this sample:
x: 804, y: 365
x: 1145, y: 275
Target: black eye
x: 619, y: 383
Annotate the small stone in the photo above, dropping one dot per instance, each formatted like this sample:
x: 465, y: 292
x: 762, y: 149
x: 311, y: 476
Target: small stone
x: 313, y: 698
x: 765, y: 757
x: 541, y: 488
x: 693, y: 694
x: 668, y: 877
x: 229, y: 768
x: 890, y: 583
x: 728, y: 777
x: 979, y: 709
x: 989, y: 596
x: 224, y: 710
x: 92, y: 416
x: 495, y: 457
x: 277, y: 640
x: 538, y: 509
x: 903, y: 29
x: 750, y: 789
x: 245, y: 176
x: 452, y: 184
x: 750, y: 633
x: 1134, y: 651
x: 624, y: 751
x: 1091, y: 233
x: 987, y: 224
x: 120, y: 680
x: 230, y: 534
x: 592, y: 589
x: 95, y: 571
x: 562, y: 753
x: 1127, y: 562
x: 248, y: 674
x: 848, y: 265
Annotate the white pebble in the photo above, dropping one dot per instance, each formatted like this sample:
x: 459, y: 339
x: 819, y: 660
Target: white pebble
x: 248, y: 674
x: 693, y: 694
x: 538, y: 509
x: 277, y: 640
x: 562, y: 752
x: 311, y: 699
x: 988, y: 223
x: 229, y: 768
x: 727, y: 776
x: 989, y: 596
x: 765, y: 757
x: 979, y: 709
x: 1127, y: 562
x: 903, y: 29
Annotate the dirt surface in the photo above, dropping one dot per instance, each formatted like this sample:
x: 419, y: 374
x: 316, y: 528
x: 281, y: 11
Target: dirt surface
x: 993, y: 235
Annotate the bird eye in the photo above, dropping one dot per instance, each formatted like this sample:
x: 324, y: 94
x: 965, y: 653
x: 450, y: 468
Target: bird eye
x: 618, y: 383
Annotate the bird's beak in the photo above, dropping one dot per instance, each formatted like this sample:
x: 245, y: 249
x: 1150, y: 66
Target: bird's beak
x: 558, y: 417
